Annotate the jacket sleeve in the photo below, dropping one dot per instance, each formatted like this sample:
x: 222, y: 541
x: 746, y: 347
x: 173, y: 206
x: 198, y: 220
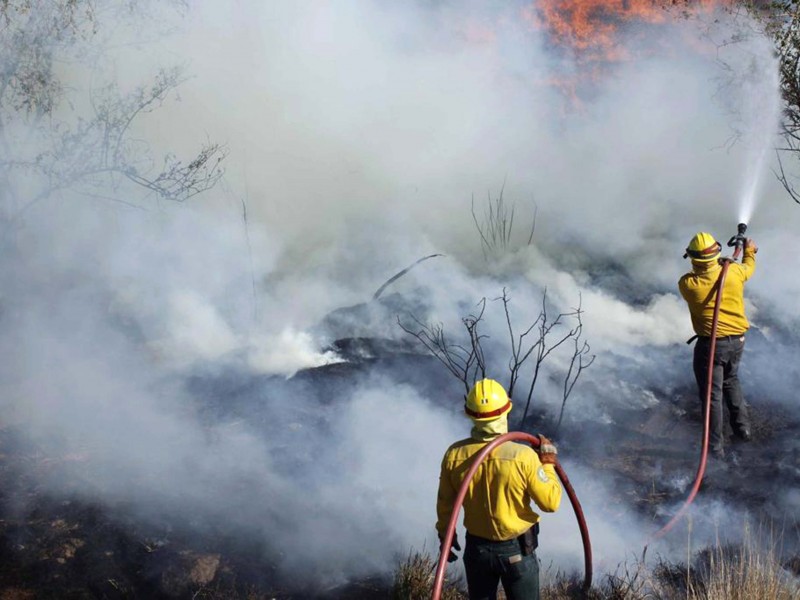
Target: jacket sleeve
x: 444, y: 500
x: 543, y: 485
x: 748, y: 265
x: 682, y: 287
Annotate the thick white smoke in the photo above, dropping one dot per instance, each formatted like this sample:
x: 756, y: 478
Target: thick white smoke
x: 358, y: 134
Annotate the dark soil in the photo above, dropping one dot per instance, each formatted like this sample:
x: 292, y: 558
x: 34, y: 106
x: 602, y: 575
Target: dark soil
x: 67, y: 547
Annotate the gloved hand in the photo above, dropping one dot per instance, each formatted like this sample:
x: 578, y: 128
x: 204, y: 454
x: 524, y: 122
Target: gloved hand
x: 547, y: 451
x: 750, y: 243
x: 452, y: 556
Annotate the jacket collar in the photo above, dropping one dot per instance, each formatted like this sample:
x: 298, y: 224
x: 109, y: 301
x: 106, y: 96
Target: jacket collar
x: 483, y: 431
x: 703, y: 268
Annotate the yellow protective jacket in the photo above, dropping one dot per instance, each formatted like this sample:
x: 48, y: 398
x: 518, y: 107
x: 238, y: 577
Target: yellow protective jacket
x: 497, y: 504
x: 698, y: 288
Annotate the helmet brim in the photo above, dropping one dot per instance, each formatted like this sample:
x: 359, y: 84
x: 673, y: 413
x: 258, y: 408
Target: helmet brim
x: 706, y: 260
x: 490, y: 416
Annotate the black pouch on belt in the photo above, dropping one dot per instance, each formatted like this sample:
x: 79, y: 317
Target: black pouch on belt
x: 529, y: 541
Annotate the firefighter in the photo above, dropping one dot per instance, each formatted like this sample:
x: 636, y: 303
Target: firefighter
x: 699, y: 289
x: 502, y: 529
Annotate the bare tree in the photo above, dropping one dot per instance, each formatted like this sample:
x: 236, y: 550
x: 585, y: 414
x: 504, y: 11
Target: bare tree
x: 467, y: 362
x: 48, y: 144
x: 779, y: 20
x: 783, y: 23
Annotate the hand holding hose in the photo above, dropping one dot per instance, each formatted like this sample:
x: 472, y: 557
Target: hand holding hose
x: 548, y: 453
x: 750, y: 243
x: 451, y: 556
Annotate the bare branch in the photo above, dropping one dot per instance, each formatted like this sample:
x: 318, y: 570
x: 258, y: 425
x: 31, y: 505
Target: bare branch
x: 180, y: 182
x: 467, y: 362
x: 398, y: 275
x: 461, y: 362
x: 784, y: 181
x: 579, y: 361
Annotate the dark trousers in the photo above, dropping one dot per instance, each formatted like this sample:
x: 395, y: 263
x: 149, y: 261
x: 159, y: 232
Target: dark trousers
x: 725, y: 386
x: 487, y: 563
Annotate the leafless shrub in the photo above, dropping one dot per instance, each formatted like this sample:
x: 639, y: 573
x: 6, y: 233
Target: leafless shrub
x: 497, y: 224
x: 466, y: 360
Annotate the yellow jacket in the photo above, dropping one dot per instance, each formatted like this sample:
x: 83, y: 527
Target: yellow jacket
x: 497, y: 504
x: 698, y: 289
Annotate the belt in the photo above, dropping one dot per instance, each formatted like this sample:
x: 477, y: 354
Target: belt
x: 487, y: 542
x: 527, y: 541
x: 719, y: 337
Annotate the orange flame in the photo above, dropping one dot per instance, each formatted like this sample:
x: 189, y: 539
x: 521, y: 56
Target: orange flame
x: 601, y: 32
x: 592, y: 27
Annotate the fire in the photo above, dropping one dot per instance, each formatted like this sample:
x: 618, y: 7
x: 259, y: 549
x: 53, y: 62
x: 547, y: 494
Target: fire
x: 600, y: 33
x: 592, y: 28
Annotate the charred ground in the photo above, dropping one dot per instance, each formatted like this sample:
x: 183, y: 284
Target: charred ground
x: 67, y: 546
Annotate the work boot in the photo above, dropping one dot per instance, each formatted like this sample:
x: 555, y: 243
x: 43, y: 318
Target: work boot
x: 744, y: 435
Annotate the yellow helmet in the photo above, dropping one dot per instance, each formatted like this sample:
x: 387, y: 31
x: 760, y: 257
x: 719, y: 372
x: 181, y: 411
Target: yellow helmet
x: 487, y: 400
x: 703, y: 248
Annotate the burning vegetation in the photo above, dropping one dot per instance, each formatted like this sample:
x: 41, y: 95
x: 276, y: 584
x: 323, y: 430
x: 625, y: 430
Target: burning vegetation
x: 599, y: 34
x: 600, y: 30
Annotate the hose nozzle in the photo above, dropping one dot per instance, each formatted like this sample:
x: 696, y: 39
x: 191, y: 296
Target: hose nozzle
x: 738, y: 239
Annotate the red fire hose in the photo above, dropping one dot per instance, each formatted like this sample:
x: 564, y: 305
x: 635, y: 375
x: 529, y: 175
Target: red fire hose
x: 587, y: 549
x: 462, y: 492
x: 701, y: 468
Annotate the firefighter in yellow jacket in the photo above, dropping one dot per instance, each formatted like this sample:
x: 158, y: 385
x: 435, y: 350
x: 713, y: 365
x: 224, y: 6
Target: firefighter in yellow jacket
x: 699, y: 289
x: 502, y: 528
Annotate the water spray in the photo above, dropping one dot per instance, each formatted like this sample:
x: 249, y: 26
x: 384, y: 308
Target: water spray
x: 750, y: 191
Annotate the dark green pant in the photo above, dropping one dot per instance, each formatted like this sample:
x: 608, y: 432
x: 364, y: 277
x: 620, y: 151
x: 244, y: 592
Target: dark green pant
x: 487, y: 563
x: 725, y: 387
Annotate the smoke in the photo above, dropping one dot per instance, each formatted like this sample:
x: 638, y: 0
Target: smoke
x: 359, y: 134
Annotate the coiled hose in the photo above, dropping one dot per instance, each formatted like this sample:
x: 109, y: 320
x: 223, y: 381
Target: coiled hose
x: 462, y: 492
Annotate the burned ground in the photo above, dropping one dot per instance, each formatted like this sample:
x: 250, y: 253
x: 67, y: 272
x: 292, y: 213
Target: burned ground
x: 65, y: 546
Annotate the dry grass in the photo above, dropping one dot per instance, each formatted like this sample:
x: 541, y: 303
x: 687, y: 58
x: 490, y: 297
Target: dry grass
x: 413, y: 580
x: 751, y: 570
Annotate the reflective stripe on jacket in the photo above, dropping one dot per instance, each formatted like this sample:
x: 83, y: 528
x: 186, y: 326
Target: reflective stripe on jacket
x: 497, y: 504
x: 698, y: 288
